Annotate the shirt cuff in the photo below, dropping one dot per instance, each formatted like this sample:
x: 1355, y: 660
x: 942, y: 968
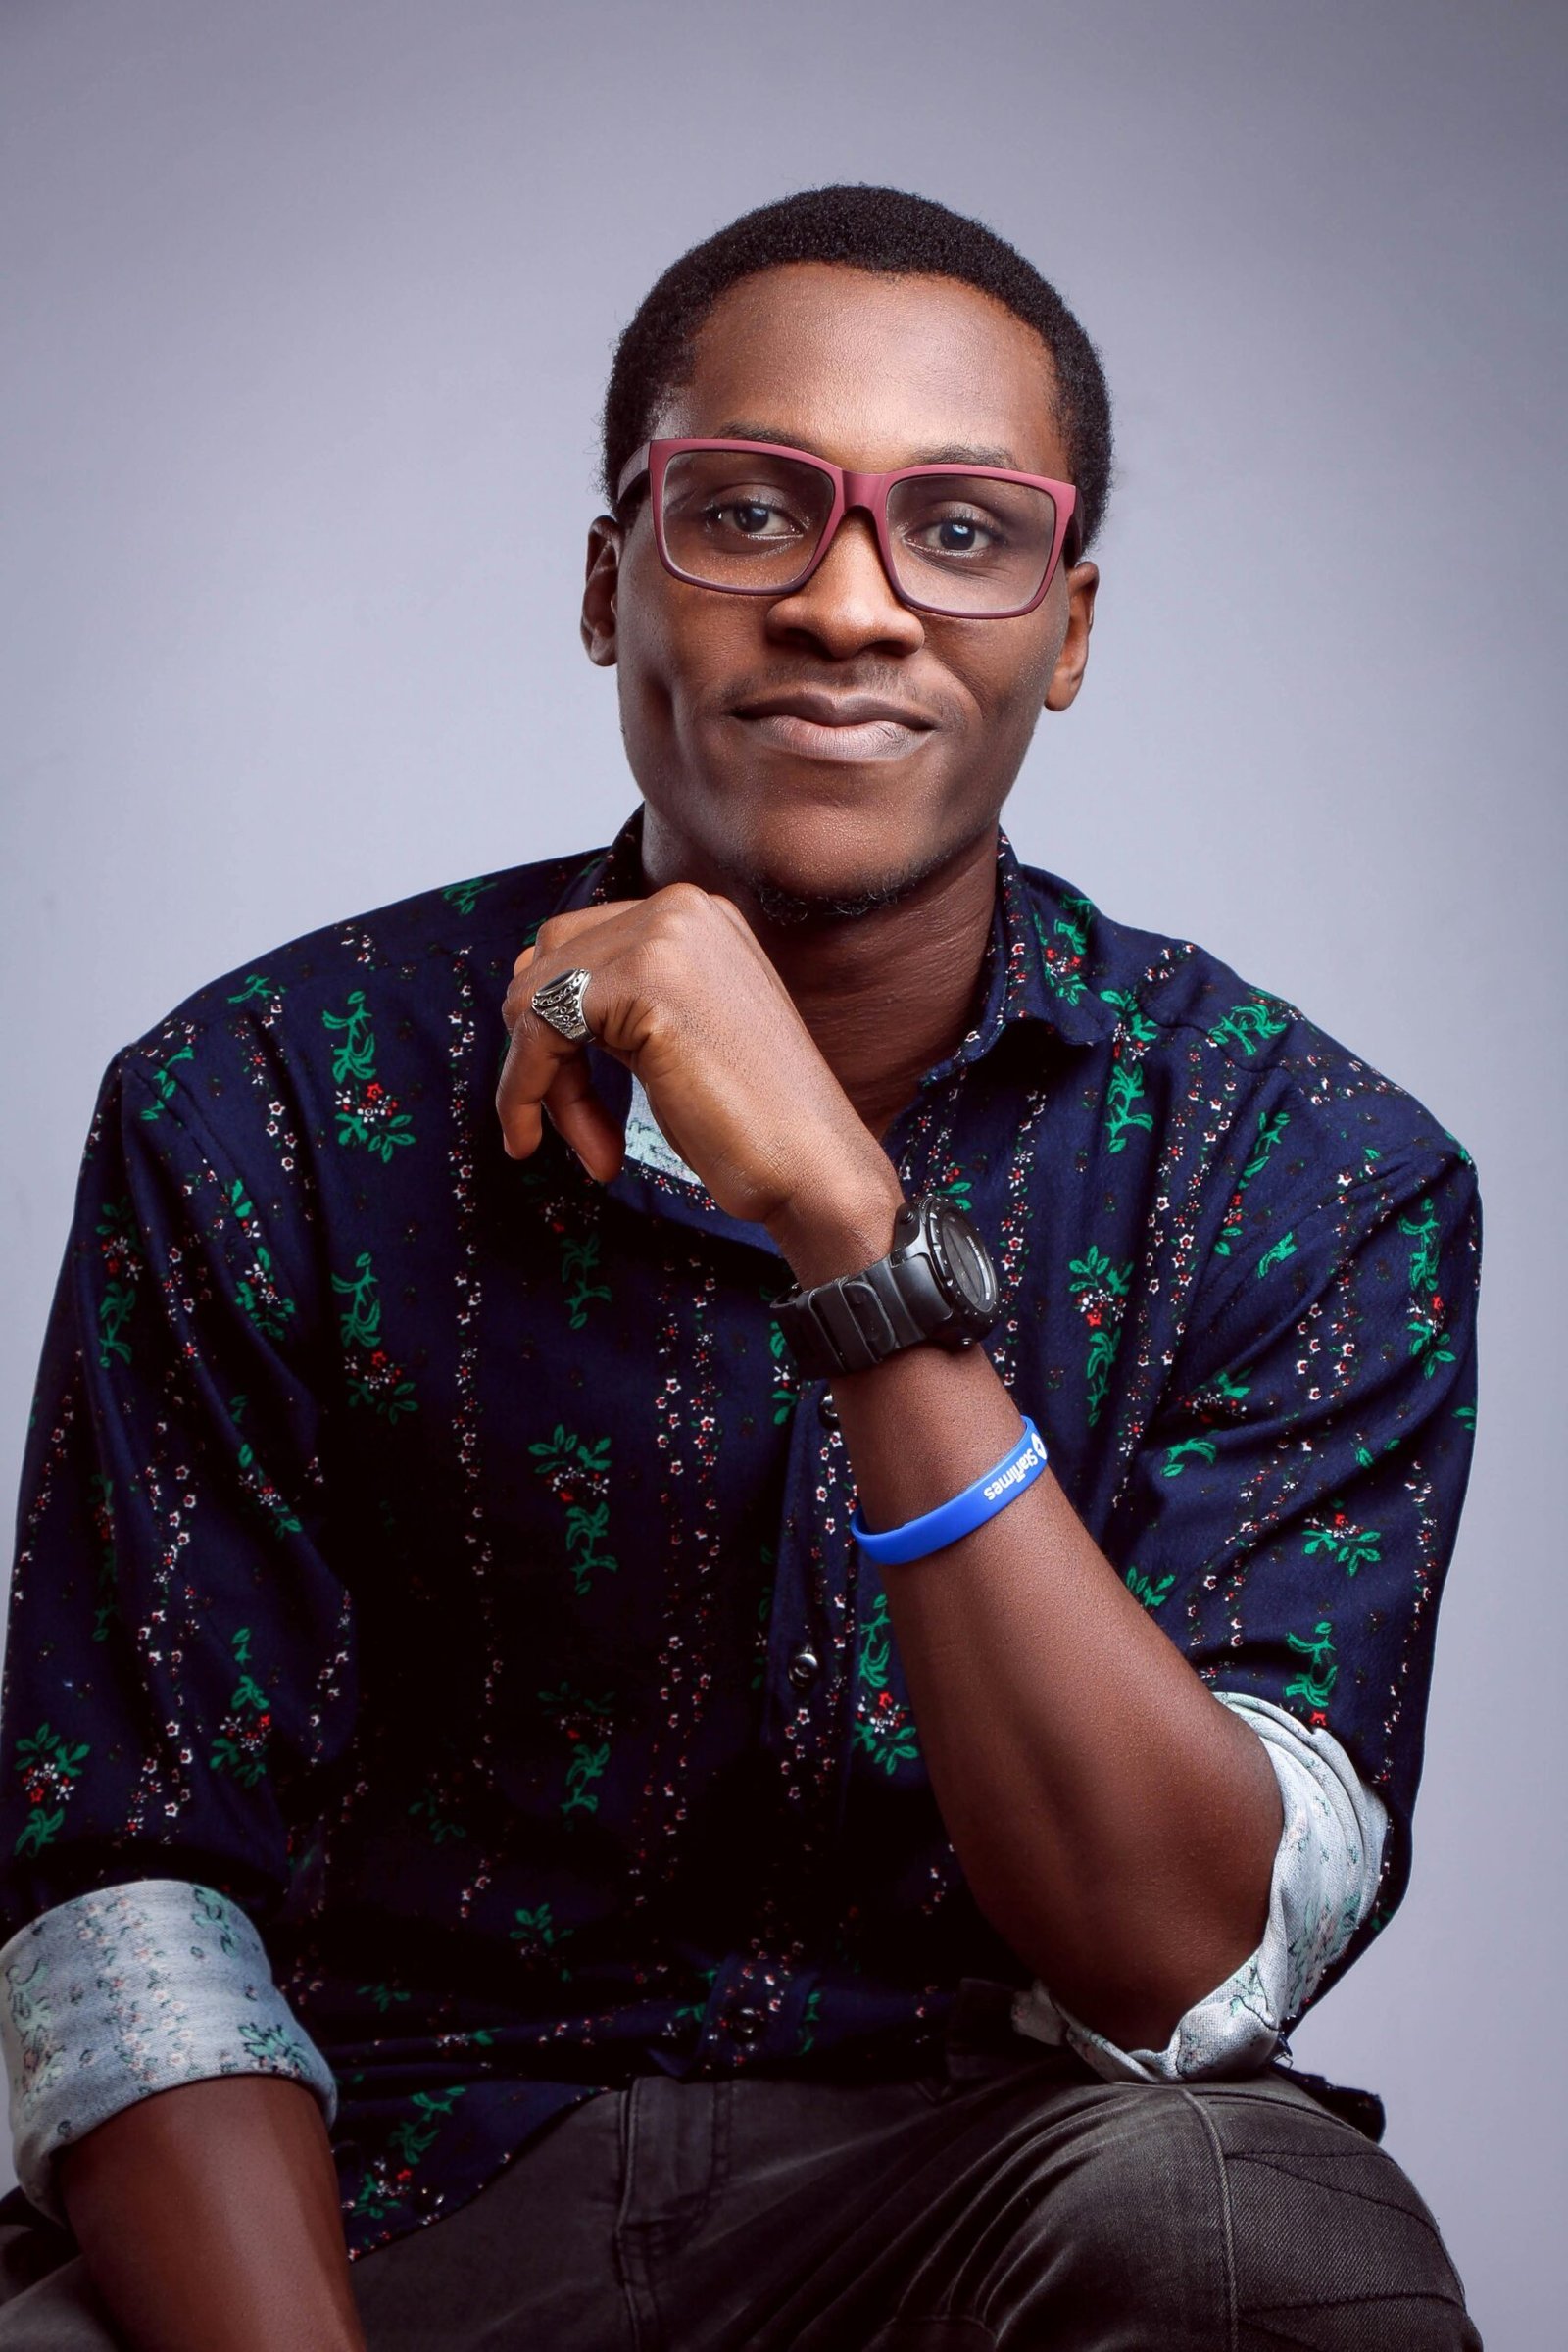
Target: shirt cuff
x: 134, y: 1990
x: 1325, y: 1881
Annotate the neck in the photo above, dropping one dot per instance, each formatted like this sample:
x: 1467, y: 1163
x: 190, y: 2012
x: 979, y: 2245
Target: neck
x: 885, y: 993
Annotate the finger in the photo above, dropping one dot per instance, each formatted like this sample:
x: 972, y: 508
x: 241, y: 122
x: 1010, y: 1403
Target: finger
x: 559, y: 930
x: 536, y: 1058
x: 581, y: 1119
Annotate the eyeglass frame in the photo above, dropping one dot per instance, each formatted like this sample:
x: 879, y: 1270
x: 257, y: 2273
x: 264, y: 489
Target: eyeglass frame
x: 852, y: 492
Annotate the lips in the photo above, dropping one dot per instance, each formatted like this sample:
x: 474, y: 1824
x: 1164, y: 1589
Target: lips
x: 813, y: 724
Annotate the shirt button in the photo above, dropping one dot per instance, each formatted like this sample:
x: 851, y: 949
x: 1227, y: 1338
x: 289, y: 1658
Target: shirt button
x: 827, y: 1412
x: 803, y: 1667
x: 748, y: 2024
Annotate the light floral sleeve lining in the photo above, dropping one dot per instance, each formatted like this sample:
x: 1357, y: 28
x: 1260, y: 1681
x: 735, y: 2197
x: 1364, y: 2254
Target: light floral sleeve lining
x: 115, y: 1996
x: 1325, y: 1882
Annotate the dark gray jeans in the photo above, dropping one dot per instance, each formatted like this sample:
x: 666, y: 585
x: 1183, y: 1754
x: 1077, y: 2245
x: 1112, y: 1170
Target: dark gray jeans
x: 1007, y: 2200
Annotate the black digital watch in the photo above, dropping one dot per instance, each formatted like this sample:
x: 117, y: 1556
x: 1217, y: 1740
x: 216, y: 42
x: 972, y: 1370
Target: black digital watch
x: 936, y: 1283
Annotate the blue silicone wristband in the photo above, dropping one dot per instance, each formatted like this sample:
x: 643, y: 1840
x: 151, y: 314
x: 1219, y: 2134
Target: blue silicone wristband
x: 964, y: 1513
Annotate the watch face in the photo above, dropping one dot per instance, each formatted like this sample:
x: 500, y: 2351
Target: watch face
x: 963, y: 1258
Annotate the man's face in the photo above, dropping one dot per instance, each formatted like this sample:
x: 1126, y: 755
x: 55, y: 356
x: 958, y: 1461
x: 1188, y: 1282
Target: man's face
x: 746, y: 793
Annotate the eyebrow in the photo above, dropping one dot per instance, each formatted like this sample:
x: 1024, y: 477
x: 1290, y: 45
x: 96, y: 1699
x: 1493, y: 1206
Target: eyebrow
x: 955, y: 453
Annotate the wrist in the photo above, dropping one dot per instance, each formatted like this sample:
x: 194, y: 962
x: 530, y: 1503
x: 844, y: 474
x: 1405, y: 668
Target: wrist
x: 839, y: 1225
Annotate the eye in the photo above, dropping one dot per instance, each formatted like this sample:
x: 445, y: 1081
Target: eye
x: 750, y: 517
x: 960, y: 531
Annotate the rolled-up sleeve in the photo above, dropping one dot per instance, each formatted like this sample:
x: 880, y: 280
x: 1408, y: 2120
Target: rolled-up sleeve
x: 179, y: 1669
x: 138, y: 1988
x: 1325, y: 1880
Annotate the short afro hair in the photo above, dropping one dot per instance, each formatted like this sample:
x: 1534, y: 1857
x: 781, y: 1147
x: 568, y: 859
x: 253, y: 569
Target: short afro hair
x: 883, y: 229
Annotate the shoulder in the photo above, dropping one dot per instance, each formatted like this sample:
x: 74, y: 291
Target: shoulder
x: 1217, y: 1050
x: 405, y: 967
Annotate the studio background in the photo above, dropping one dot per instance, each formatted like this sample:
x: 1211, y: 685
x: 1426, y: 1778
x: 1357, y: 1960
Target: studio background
x: 308, y: 310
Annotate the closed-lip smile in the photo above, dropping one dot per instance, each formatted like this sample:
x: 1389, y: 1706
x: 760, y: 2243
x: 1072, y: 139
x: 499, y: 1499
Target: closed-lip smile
x: 809, y: 723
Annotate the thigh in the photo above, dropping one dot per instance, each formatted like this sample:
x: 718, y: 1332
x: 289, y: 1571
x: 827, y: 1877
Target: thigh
x: 47, y: 2301
x: 531, y: 2260
x: 1332, y: 2247
x: 1032, y: 2205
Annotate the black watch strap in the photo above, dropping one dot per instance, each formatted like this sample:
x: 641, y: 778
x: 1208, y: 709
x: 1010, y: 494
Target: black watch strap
x: 860, y: 1319
x: 909, y: 1297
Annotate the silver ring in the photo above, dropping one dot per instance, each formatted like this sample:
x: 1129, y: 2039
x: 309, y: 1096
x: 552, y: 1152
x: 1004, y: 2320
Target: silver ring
x: 559, y: 1002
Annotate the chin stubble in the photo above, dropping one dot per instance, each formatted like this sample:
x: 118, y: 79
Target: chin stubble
x: 797, y: 910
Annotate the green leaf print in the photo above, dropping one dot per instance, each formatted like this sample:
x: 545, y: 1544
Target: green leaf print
x: 258, y: 1485
x: 257, y: 989
x: 1177, y: 1457
x: 1247, y: 1025
x: 1143, y: 1588
x: 1342, y: 1540
x: 1100, y: 1290
x: 239, y: 1748
x: 1314, y: 1683
x: 163, y: 1083
x: 275, y: 2049
x: 883, y: 1730
x: 1135, y: 1033
x: 122, y: 1270
x: 587, y: 1725
x: 579, y: 1261
x: 417, y: 2135
x: 539, y: 1939
x: 441, y: 1829
x: 785, y: 1394
x: 1428, y: 1339
x: 367, y: 1114
x: 466, y: 896
x: 578, y: 1471
x: 49, y: 1768
x: 1283, y: 1249
x: 1064, y: 946
x: 1269, y: 1131
x: 386, y: 1996
x: 374, y: 1378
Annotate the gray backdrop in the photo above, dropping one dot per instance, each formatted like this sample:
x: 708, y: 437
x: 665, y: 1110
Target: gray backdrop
x: 308, y: 309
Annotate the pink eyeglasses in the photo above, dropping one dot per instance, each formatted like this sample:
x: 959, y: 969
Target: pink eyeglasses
x: 755, y: 518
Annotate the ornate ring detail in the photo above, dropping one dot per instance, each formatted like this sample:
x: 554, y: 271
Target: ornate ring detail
x: 559, y: 1002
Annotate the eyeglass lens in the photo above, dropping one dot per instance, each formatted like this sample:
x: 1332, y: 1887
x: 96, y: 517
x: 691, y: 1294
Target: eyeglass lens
x: 961, y: 543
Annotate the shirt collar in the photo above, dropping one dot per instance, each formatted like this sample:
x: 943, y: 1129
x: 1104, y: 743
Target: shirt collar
x: 1039, y: 968
x: 1039, y: 963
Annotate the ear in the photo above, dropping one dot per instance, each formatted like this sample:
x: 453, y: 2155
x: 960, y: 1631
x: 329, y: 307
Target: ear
x: 606, y: 538
x: 1068, y: 675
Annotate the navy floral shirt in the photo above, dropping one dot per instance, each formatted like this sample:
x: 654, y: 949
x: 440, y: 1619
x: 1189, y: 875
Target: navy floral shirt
x: 440, y: 1557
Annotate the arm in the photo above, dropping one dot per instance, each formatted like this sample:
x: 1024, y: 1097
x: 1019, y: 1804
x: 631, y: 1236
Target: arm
x: 1327, y: 1870
x: 1117, y: 1824
x: 208, y: 2220
x: 179, y: 1656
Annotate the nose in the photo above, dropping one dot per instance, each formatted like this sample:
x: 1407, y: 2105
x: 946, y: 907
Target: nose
x: 847, y: 604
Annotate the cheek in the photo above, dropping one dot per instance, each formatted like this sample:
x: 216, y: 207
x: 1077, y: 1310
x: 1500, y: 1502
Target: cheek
x: 1006, y: 682
x: 675, y: 647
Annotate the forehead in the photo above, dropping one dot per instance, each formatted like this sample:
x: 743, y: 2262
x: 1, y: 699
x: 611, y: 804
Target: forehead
x: 872, y: 371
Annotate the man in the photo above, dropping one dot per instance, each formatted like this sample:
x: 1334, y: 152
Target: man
x: 778, y: 1824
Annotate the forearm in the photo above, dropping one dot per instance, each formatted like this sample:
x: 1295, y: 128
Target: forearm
x: 208, y: 2220
x: 1115, y: 1824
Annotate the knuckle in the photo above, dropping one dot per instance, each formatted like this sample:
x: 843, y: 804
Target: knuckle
x: 681, y: 905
